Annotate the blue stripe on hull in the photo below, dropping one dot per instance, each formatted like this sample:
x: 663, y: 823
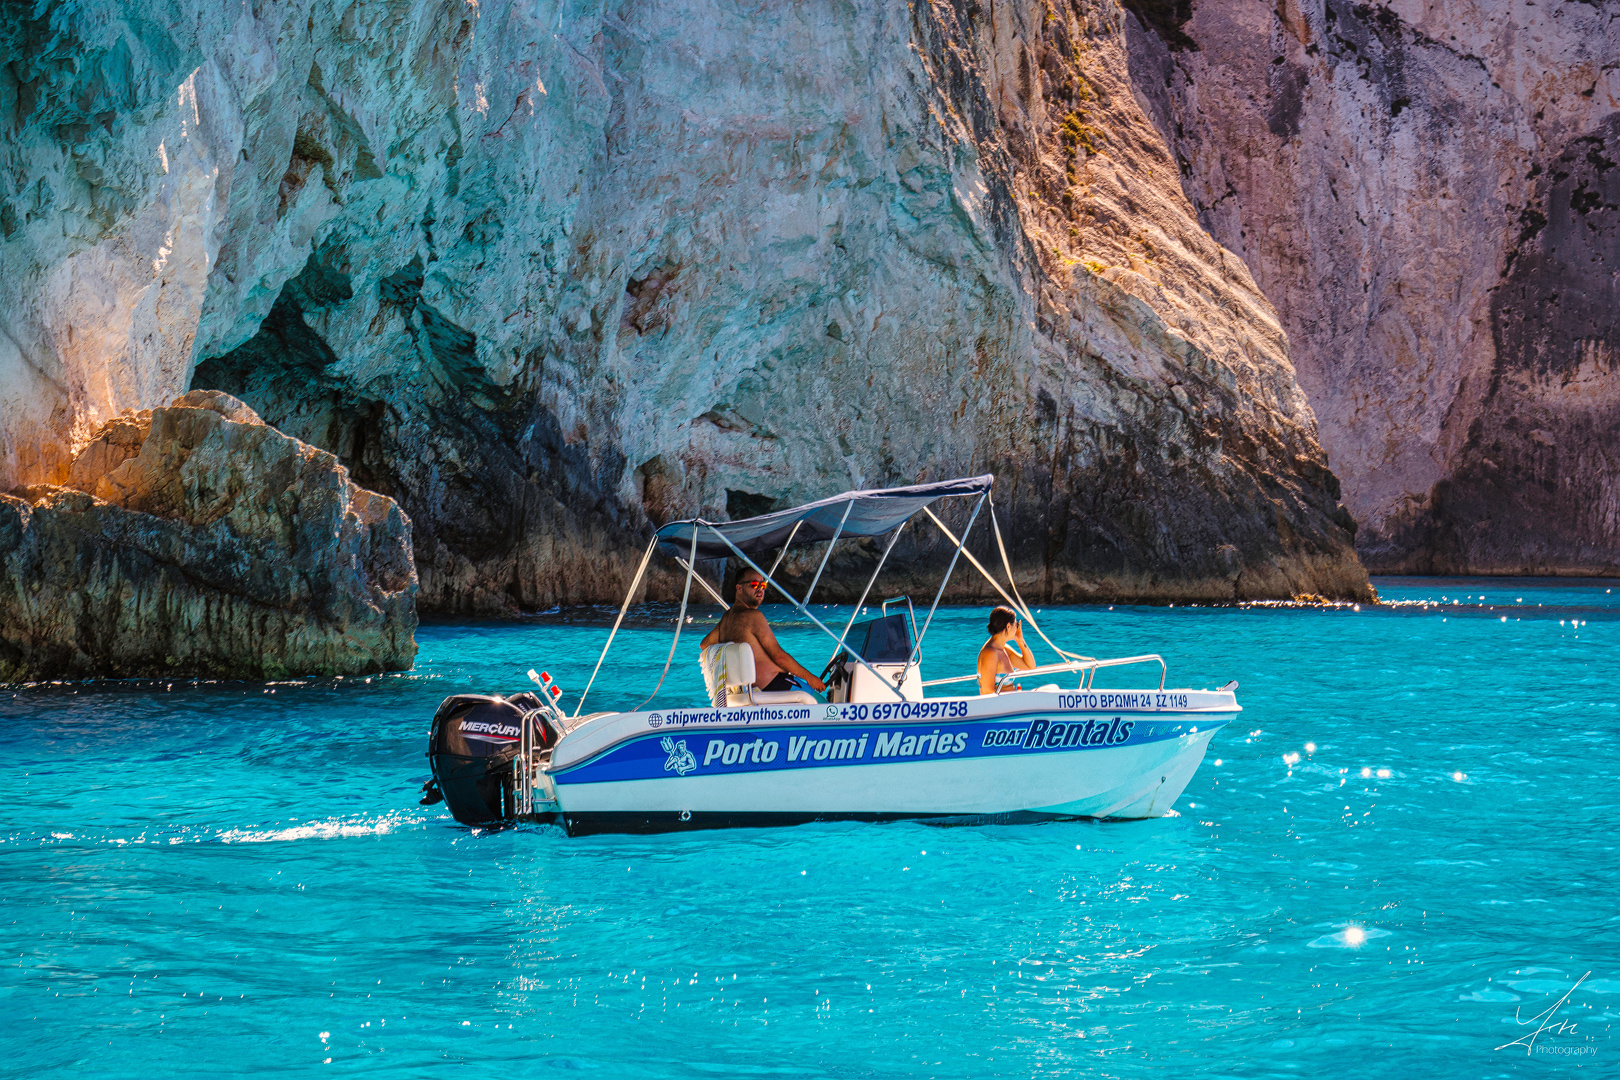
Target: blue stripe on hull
x: 671, y: 821
x: 717, y: 753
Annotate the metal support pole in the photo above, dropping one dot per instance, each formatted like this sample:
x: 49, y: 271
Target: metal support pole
x: 1017, y: 605
x: 640, y: 570
x: 828, y: 555
x: 1012, y: 583
x: 680, y: 619
x: 780, y: 555
x: 802, y: 609
x: 916, y: 649
x: 868, y: 590
x: 520, y: 770
x: 701, y: 581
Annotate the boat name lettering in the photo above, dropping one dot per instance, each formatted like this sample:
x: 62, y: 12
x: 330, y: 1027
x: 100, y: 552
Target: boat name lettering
x: 1048, y: 734
x: 760, y: 751
x: 899, y: 744
x: 758, y: 714
x: 804, y: 748
x: 851, y: 747
x: 1122, y: 699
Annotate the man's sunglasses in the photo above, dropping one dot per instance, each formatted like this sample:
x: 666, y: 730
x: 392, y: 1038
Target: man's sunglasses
x: 759, y: 585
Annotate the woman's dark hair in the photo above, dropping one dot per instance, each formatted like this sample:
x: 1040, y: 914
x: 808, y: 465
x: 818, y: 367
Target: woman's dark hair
x: 1001, y: 618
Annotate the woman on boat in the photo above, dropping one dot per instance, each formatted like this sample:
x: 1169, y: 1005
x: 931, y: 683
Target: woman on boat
x: 995, y: 658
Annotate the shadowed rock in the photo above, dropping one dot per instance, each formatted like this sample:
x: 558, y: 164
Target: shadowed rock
x: 197, y: 541
x: 1430, y: 197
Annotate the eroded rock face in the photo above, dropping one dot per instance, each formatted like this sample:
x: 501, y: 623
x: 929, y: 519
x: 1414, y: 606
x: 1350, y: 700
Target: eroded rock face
x: 1429, y: 195
x: 212, y: 545
x: 552, y: 276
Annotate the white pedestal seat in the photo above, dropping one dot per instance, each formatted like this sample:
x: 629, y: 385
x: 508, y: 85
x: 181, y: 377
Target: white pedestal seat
x: 729, y: 674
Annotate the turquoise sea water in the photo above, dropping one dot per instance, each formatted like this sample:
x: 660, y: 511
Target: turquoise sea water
x: 235, y: 879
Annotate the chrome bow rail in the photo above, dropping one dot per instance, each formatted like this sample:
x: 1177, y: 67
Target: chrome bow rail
x: 1088, y: 666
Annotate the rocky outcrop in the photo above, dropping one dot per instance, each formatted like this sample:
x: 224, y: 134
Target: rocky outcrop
x: 549, y: 276
x: 197, y: 541
x: 1429, y: 194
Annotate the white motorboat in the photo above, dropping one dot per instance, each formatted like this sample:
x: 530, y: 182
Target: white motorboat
x: 880, y: 747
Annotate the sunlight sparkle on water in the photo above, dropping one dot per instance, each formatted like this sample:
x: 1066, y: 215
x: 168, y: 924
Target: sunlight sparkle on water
x: 270, y: 850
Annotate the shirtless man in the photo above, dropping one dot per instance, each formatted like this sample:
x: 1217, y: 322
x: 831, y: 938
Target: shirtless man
x: 995, y: 658
x: 774, y: 669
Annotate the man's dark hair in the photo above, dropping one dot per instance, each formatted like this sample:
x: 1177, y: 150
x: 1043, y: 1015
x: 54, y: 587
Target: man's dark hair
x: 744, y: 576
x: 1001, y: 618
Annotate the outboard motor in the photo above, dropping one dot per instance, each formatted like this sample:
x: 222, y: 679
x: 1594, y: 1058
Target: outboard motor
x: 474, y: 739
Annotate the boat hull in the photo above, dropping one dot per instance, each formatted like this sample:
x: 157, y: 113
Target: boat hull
x: 1020, y: 756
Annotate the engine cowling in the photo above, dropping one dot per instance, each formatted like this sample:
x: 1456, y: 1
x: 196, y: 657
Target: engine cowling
x: 471, y: 746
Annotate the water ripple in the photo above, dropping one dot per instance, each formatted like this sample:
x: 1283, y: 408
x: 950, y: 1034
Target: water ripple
x: 1403, y: 848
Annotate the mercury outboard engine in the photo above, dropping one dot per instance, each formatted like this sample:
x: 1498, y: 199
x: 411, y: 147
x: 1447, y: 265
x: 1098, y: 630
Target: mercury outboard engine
x: 474, y: 739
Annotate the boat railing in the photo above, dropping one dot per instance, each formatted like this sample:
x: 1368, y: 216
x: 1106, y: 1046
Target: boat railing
x: 1086, y: 664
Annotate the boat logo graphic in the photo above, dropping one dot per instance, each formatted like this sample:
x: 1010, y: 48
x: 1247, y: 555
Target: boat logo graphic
x: 680, y: 759
x: 655, y: 720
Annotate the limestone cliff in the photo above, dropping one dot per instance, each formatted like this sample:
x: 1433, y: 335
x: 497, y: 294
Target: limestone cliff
x: 1429, y: 194
x: 196, y: 541
x: 549, y: 273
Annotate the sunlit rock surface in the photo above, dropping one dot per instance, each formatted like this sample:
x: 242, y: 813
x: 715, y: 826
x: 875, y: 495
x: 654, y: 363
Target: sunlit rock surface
x: 550, y: 274
x: 1429, y: 194
x: 197, y: 541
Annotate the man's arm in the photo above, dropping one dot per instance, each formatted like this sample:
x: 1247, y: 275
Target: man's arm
x: 778, y: 655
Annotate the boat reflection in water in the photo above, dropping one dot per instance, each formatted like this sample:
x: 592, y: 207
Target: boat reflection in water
x: 877, y: 748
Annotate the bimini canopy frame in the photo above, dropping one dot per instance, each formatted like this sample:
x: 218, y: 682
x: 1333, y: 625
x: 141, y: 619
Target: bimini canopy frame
x: 869, y: 513
x: 857, y: 514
